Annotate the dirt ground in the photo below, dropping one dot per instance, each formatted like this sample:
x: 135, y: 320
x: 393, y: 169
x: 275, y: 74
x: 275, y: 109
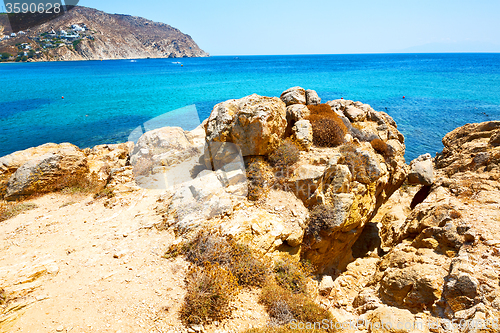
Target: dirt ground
x: 77, y: 266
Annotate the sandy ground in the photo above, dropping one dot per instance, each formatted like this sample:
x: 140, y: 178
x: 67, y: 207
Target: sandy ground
x: 82, y: 267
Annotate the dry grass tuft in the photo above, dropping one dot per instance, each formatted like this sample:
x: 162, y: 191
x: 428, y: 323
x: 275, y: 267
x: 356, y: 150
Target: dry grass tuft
x: 321, y: 218
x: 10, y: 210
x: 284, y: 306
x: 292, y: 274
x: 221, y: 267
x: 79, y: 183
x: 260, y: 178
x: 105, y: 193
x: 285, y: 155
x: 249, y: 269
x: 211, y: 288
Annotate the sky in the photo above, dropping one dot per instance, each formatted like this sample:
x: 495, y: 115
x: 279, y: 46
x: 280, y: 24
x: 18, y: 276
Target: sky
x: 265, y: 27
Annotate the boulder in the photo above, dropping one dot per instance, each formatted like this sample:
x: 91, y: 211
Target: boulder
x: 302, y: 134
x: 312, y: 97
x: 354, y: 113
x: 421, y: 171
x: 102, y: 159
x: 10, y: 163
x: 296, y: 112
x: 191, y: 204
x: 256, y: 124
x: 355, y: 181
x: 470, y: 148
x: 163, y: 147
x: 295, y: 95
x: 416, y: 286
x: 386, y: 319
x: 278, y: 222
x: 48, y: 172
x: 326, y: 285
x: 166, y: 156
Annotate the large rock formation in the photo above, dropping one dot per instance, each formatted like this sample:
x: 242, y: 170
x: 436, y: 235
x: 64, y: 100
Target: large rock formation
x: 352, y: 180
x: 254, y: 123
x: 40, y: 169
x: 52, y: 167
x: 429, y: 261
x: 443, y: 259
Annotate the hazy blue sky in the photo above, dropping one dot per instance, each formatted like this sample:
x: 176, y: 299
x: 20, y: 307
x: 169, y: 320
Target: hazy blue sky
x: 240, y: 27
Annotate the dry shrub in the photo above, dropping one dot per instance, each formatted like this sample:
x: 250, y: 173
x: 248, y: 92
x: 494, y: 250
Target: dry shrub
x: 260, y: 178
x: 321, y: 218
x: 209, y: 248
x: 284, y: 306
x: 320, y: 109
x: 357, y: 161
x: 211, y: 288
x: 105, y: 193
x: 79, y: 183
x: 381, y: 147
x: 292, y: 274
x: 10, y: 210
x: 328, y: 128
x: 221, y: 267
x: 285, y: 155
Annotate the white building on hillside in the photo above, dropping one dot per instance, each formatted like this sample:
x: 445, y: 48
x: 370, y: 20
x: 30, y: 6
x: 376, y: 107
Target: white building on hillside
x: 76, y: 27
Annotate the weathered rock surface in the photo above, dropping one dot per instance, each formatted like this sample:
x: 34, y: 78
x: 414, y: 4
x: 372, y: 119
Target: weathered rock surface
x: 102, y: 159
x: 312, y: 97
x: 295, y: 95
x: 47, y: 173
x: 356, y: 180
x: 51, y: 167
x: 10, y: 163
x: 443, y: 259
x: 303, y: 134
x: 256, y: 124
x: 421, y: 171
x: 296, y: 112
x: 353, y: 179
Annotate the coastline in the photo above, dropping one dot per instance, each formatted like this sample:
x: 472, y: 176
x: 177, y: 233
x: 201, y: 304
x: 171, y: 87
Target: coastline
x: 108, y: 210
x: 128, y: 96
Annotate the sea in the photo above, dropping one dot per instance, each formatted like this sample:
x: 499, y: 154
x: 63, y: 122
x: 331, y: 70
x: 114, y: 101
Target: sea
x: 96, y: 102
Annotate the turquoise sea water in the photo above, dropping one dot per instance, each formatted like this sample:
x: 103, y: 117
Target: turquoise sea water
x: 105, y: 100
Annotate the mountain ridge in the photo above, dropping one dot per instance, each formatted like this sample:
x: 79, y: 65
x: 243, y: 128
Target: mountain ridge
x: 108, y: 36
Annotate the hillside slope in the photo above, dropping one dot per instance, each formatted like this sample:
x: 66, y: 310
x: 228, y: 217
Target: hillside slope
x: 108, y: 36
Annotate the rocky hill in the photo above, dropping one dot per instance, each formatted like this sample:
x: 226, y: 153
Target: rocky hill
x: 278, y: 211
x: 108, y: 36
